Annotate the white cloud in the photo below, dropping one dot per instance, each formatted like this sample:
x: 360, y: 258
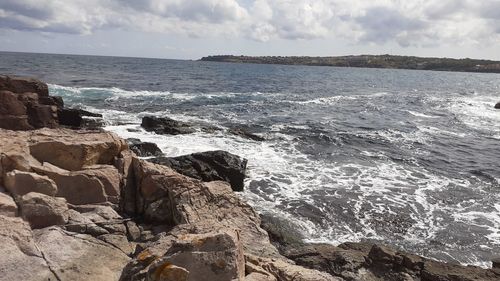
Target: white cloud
x: 408, y: 23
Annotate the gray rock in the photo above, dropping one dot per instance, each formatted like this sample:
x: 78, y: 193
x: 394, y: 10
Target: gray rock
x: 144, y: 149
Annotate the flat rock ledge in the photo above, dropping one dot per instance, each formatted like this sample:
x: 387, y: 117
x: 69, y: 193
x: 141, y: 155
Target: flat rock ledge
x: 80, y: 205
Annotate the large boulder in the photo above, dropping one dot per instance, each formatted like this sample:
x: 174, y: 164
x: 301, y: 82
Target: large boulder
x: 209, y: 166
x: 165, y: 126
x: 144, y: 149
x: 41, y: 210
x: 19, y: 183
x: 497, y: 106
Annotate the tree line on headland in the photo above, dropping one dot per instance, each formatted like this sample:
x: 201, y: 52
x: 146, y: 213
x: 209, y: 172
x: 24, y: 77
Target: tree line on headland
x: 370, y: 61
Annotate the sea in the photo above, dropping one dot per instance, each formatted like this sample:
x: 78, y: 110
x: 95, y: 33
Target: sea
x: 405, y: 158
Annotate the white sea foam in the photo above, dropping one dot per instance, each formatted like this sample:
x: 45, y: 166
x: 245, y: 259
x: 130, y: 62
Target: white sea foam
x: 336, y: 99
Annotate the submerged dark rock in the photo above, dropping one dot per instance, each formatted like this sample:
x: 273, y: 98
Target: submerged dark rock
x: 246, y: 134
x: 165, y: 125
x: 144, y: 149
x: 209, y: 166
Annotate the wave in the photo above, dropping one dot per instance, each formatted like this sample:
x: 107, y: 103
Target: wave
x: 336, y: 99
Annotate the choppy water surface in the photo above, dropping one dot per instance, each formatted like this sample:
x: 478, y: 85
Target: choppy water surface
x: 409, y: 158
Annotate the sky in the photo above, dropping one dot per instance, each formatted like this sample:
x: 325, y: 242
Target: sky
x: 191, y: 29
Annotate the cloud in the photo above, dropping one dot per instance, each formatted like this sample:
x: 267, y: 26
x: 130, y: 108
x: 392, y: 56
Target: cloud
x: 407, y: 23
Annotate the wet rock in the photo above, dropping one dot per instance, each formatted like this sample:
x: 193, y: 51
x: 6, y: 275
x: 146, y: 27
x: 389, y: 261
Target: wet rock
x: 78, y: 256
x: 209, y: 166
x: 496, y: 263
x: 144, y: 149
x: 328, y: 258
x: 69, y: 117
x: 497, y: 106
x: 165, y: 126
x: 246, y: 134
x: 41, y: 210
x: 8, y: 207
x: 283, y: 233
x: 19, y: 183
x: 74, y: 117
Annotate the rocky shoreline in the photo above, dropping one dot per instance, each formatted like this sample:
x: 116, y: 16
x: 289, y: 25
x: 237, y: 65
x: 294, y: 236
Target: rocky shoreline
x: 78, y: 203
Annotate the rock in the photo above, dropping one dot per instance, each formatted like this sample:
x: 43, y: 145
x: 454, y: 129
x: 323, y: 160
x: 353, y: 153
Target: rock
x: 8, y: 207
x: 210, y: 256
x: 259, y: 277
x: 40, y: 116
x: 165, y: 126
x: 73, y: 151
x: 497, y: 106
x: 437, y: 271
x: 283, y: 233
x: 79, y: 256
x: 21, y: 258
x: 19, y: 183
x: 69, y: 117
x: 167, y: 197
x: 109, y: 177
x: 245, y: 134
x: 13, y: 112
x: 41, y: 210
x: 144, y: 149
x: 328, y: 258
x: 11, y: 105
x: 133, y: 232
x: 169, y: 272
x: 76, y: 187
x: 209, y: 166
x: 25, y: 104
x: 73, y: 117
x: 495, y: 263
x: 119, y: 242
x: 23, y: 85
x: 284, y: 271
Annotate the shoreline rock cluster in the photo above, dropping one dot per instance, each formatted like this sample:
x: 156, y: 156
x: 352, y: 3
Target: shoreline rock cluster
x: 81, y: 205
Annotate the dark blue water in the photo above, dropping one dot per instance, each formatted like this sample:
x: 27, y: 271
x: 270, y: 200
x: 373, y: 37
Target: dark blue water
x: 406, y: 158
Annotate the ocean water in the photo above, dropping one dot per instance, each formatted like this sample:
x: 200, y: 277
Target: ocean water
x: 405, y: 158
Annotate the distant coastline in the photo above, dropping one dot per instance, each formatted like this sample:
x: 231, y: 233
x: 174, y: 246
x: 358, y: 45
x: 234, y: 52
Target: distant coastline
x: 370, y: 61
